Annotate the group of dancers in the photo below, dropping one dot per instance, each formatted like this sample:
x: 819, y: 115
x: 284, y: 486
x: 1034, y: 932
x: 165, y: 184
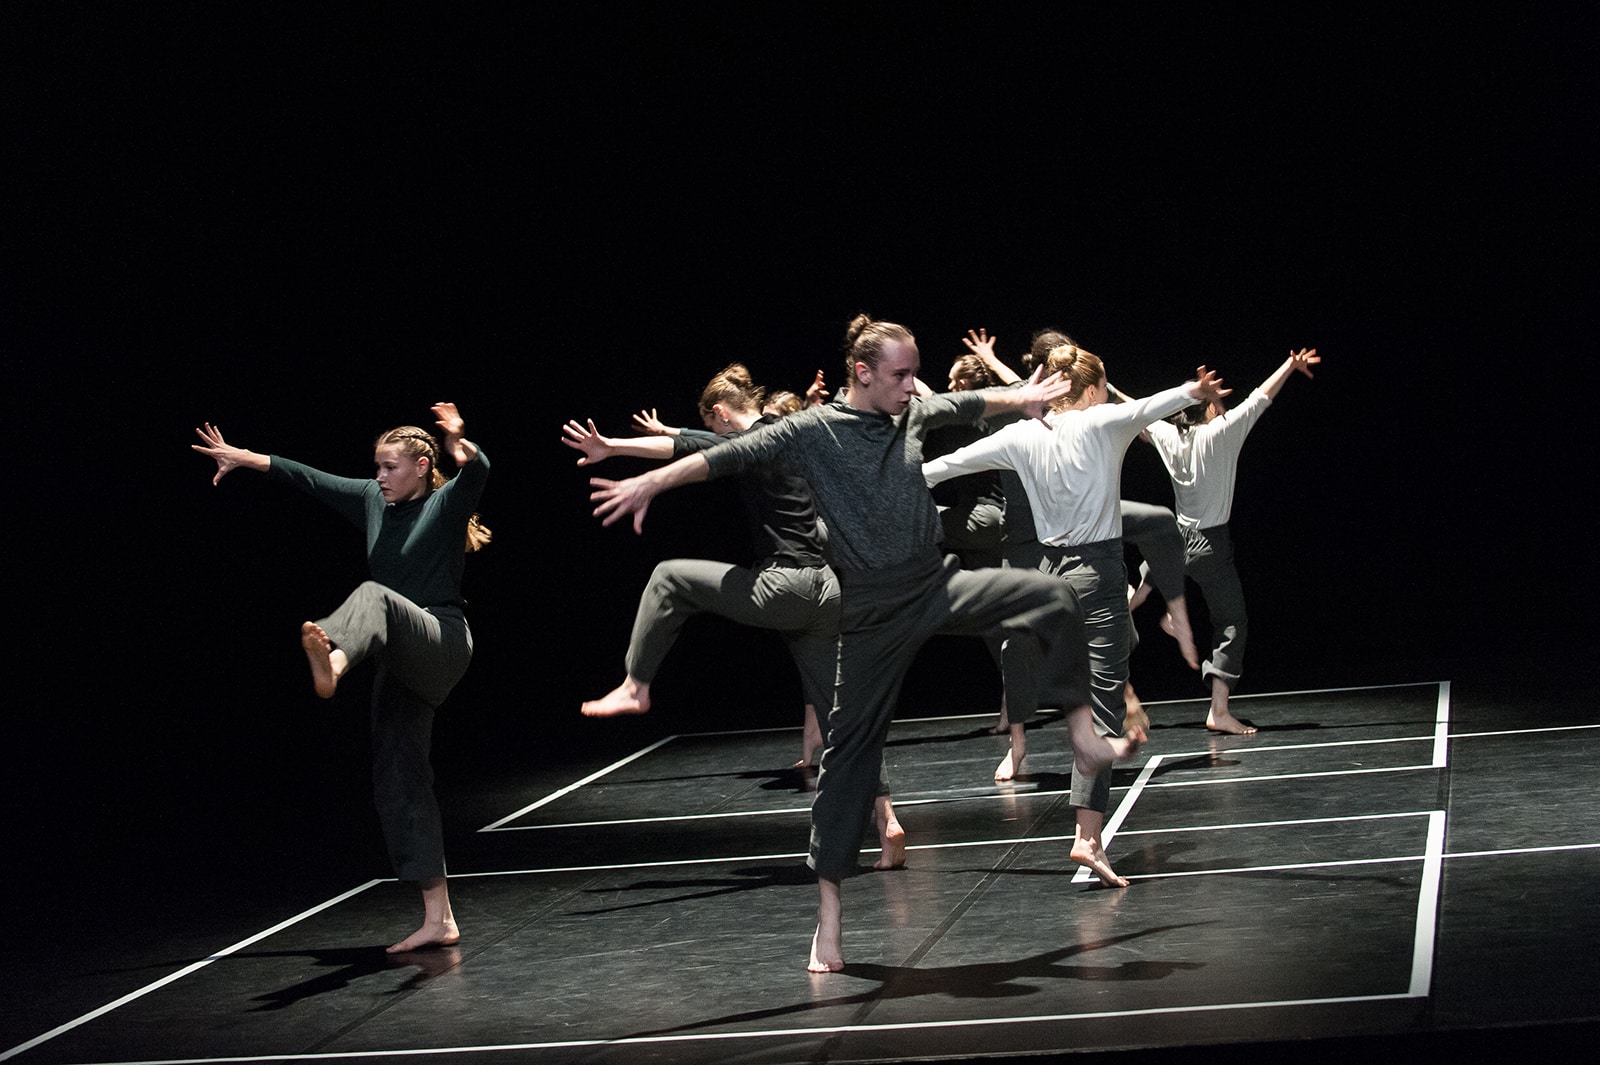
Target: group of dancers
x: 852, y: 570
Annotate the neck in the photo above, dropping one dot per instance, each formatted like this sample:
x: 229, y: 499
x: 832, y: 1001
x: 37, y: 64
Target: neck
x: 743, y: 419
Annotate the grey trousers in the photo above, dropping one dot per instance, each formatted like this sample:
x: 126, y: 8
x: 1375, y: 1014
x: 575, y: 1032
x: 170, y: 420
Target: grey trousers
x: 888, y: 614
x: 1098, y: 574
x: 421, y: 655
x: 1209, y: 560
x: 800, y: 602
x: 1154, y: 532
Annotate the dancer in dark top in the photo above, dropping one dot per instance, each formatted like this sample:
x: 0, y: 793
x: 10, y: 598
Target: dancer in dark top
x: 409, y: 618
x: 863, y: 459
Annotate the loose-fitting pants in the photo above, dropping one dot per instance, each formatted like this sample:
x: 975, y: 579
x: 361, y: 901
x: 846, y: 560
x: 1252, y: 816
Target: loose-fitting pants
x: 1154, y: 532
x: 887, y: 615
x: 421, y: 655
x: 1098, y: 574
x: 1208, y: 555
x: 800, y: 602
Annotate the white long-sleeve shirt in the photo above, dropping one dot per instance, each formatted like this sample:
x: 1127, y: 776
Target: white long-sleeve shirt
x: 1203, y: 462
x: 1071, y: 468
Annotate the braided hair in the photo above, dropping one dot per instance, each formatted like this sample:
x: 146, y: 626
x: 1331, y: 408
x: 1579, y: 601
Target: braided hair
x: 419, y: 443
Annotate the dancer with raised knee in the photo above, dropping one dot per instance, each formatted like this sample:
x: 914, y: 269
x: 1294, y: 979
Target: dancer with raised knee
x: 863, y: 459
x: 409, y: 618
x: 790, y: 587
x: 1203, y: 462
x: 1070, y: 466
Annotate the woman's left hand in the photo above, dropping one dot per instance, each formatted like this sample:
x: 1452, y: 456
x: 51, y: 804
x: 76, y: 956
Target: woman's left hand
x: 454, y: 426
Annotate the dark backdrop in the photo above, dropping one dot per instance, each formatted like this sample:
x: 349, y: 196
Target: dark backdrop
x: 308, y: 225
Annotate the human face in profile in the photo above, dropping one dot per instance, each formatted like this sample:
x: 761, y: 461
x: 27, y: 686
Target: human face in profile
x: 400, y: 476
x: 888, y: 388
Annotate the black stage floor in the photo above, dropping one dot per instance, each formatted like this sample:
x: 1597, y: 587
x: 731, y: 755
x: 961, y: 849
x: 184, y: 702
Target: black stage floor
x: 1379, y: 863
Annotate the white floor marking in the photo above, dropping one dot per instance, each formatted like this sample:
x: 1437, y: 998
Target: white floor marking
x: 1509, y: 852
x: 570, y: 788
x: 784, y: 1033
x: 1427, y: 908
x: 185, y: 971
x: 1441, y: 726
x: 1202, y: 700
x: 1270, y: 824
x: 1518, y: 731
x: 1285, y: 776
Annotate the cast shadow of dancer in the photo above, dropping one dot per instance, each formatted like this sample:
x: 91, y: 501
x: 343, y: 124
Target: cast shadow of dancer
x: 753, y: 879
x: 349, y: 964
x: 980, y: 980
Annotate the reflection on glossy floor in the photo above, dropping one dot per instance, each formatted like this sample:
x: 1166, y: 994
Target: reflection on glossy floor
x: 1369, y: 865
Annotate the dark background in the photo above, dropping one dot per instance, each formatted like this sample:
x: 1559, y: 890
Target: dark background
x: 307, y: 225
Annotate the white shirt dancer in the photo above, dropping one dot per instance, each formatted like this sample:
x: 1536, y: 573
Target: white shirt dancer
x: 1203, y: 462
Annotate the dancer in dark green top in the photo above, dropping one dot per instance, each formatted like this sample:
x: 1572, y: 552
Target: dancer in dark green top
x: 409, y: 617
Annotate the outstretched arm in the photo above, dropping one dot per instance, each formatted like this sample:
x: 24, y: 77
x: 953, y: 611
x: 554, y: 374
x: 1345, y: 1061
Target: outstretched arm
x: 981, y: 344
x: 454, y: 427
x: 597, y: 448
x: 615, y: 500
x: 647, y: 422
x: 227, y: 456
x: 1301, y: 361
x: 1032, y: 399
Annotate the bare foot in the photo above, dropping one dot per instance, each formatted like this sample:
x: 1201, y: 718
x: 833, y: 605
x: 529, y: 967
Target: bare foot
x: 890, y: 836
x: 629, y: 697
x: 1134, y: 719
x: 827, y: 953
x: 319, y: 652
x: 1010, y: 766
x: 1092, y: 752
x: 1222, y: 721
x: 1090, y: 854
x: 433, y: 933
x: 1175, y: 623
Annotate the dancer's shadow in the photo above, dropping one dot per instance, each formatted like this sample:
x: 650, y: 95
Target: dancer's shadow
x: 349, y: 964
x: 979, y: 980
x: 753, y: 878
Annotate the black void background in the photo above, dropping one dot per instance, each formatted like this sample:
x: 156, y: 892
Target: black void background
x: 308, y: 225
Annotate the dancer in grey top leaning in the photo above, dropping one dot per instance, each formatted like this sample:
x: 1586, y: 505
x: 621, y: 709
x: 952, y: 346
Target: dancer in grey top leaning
x: 863, y: 459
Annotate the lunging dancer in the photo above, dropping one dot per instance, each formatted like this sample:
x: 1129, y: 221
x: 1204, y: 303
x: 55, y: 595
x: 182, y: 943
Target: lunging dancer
x: 790, y: 588
x: 1203, y: 461
x: 409, y: 617
x: 1070, y: 466
x: 863, y: 459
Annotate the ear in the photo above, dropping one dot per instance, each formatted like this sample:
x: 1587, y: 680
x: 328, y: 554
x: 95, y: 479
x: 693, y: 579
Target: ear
x: 424, y: 463
x: 863, y: 373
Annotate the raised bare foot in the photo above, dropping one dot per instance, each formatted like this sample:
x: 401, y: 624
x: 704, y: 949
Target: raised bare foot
x: 1175, y: 623
x: 432, y: 934
x: 891, y: 837
x: 629, y: 697
x: 1222, y: 721
x: 1090, y: 854
x: 319, y: 652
